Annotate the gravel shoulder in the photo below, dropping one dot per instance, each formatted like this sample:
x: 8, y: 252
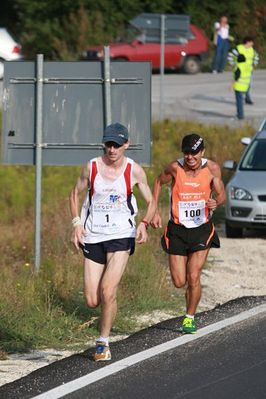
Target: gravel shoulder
x: 235, y: 270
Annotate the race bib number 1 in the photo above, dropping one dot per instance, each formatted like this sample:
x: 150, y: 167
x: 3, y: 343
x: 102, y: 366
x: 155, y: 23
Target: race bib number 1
x: 191, y: 213
x: 106, y: 218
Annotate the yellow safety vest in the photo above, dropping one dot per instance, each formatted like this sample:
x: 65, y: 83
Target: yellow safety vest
x: 249, y: 53
x: 242, y: 84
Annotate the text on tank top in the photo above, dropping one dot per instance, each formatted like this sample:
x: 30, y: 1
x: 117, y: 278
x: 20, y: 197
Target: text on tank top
x: 189, y: 195
x: 112, y: 205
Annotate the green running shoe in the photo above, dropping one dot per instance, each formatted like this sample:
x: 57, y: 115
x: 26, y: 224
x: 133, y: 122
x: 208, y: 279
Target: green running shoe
x: 189, y: 326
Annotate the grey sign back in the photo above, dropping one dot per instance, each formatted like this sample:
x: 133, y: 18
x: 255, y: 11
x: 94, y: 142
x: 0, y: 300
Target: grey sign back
x: 73, y: 117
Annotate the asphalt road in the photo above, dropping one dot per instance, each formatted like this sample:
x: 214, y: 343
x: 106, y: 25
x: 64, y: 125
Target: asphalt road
x: 225, y: 363
x: 230, y: 363
x: 207, y: 98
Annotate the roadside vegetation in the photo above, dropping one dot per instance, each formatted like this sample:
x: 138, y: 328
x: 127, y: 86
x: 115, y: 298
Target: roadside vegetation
x: 48, y: 309
x: 63, y: 30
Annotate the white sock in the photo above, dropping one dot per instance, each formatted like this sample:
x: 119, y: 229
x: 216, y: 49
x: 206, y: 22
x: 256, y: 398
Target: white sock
x: 190, y: 316
x: 103, y: 339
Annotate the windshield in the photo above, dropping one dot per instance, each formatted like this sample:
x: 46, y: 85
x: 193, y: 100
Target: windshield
x: 153, y: 36
x: 255, y: 158
x: 128, y: 35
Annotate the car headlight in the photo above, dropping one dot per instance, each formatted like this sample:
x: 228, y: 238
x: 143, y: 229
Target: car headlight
x: 241, y: 194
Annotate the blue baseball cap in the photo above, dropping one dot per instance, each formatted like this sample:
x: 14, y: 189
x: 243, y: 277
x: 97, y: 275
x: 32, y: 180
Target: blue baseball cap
x: 116, y: 132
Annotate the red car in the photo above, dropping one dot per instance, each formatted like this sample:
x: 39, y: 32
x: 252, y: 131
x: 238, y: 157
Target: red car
x: 182, y: 53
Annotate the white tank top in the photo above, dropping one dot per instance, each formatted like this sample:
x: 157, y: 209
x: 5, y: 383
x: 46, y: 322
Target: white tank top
x: 110, y: 207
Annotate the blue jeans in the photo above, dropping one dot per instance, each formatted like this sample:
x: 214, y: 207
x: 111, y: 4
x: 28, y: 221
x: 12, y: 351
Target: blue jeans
x: 248, y: 97
x: 239, y: 104
x: 220, y: 57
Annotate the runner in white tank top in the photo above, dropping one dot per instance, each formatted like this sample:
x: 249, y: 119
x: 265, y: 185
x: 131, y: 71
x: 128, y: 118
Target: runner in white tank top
x: 106, y: 230
x: 110, y: 207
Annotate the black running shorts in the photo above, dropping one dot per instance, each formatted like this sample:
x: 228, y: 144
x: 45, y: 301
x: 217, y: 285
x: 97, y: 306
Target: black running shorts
x: 179, y: 240
x: 98, y: 252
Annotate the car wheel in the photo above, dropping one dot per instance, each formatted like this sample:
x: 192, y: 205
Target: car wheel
x: 192, y: 65
x: 233, y: 232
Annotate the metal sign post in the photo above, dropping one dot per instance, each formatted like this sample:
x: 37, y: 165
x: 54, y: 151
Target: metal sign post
x: 38, y: 152
x: 163, y: 29
x: 162, y: 55
x: 107, y: 87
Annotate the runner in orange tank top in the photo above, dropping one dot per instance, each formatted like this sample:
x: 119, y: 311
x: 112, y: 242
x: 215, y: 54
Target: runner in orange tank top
x: 196, y: 191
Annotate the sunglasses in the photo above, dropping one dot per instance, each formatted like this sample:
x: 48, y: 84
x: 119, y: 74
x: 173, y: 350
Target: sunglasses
x: 110, y: 144
x: 191, y: 152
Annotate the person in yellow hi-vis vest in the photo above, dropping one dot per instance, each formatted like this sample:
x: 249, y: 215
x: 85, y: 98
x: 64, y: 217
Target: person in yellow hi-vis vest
x: 252, y: 59
x: 242, y: 75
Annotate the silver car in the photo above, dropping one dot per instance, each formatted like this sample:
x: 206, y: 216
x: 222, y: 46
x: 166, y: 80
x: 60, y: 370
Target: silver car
x: 246, y: 191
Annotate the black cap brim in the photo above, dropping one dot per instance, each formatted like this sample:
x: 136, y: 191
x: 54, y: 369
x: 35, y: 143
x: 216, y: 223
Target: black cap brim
x: 115, y: 139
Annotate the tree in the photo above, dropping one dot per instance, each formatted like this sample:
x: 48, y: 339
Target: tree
x: 62, y: 29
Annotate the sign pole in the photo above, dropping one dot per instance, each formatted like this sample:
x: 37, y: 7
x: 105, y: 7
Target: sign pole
x: 161, y: 113
x: 107, y: 87
x: 38, y: 153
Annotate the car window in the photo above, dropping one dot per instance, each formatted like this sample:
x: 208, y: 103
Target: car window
x: 255, y: 158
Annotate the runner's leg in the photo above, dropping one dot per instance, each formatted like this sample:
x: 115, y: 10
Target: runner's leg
x: 93, y: 273
x: 115, y: 267
x: 177, y: 265
x: 196, y: 261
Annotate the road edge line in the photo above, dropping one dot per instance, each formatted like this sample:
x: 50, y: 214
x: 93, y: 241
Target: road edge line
x: 81, y: 382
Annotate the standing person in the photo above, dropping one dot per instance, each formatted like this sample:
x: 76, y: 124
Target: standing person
x: 196, y: 191
x: 241, y: 83
x: 252, y: 59
x: 221, y: 41
x: 106, y: 230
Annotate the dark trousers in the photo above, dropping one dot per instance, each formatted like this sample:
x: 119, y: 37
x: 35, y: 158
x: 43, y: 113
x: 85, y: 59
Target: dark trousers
x: 248, y: 97
x: 220, y: 57
x: 239, y: 104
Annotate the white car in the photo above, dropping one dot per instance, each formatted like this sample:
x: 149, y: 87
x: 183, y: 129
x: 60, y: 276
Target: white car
x: 9, y: 49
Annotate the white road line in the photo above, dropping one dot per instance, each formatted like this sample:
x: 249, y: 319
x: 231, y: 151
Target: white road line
x: 113, y: 368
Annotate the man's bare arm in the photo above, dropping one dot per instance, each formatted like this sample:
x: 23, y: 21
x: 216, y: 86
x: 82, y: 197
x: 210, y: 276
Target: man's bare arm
x: 80, y: 186
x: 165, y: 177
x: 217, y: 186
x: 140, y: 179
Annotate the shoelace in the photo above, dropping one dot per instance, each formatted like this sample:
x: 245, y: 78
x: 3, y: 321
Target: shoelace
x: 100, y: 348
x: 188, y: 322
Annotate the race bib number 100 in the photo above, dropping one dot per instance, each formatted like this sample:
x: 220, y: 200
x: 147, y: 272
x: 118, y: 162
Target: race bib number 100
x: 191, y: 213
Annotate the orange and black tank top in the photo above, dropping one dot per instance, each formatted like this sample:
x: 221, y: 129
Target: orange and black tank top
x: 189, y: 195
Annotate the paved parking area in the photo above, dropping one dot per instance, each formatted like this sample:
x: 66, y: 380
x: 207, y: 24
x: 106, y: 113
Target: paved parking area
x: 207, y: 98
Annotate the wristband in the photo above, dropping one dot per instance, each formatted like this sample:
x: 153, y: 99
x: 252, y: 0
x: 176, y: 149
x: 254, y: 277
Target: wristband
x: 76, y: 221
x: 146, y: 223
